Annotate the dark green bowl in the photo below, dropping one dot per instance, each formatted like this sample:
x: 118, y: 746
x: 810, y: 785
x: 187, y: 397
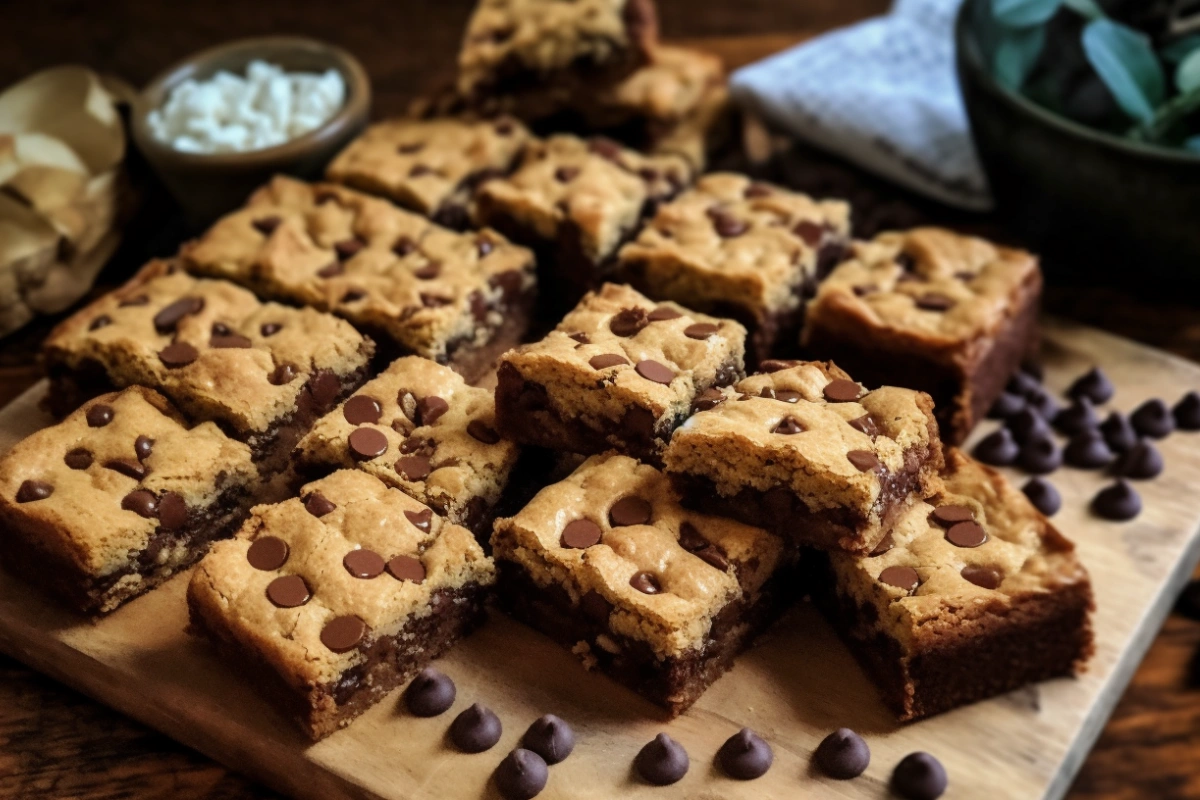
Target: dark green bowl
x: 1095, y: 204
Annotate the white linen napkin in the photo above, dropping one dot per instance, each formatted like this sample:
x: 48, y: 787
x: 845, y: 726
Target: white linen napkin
x: 882, y: 94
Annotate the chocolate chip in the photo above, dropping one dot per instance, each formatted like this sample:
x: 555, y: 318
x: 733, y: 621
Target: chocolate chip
x: 948, y: 515
x: 1118, y: 501
x: 363, y: 563
x: 726, y: 225
x: 745, y: 756
x: 408, y: 148
x: 966, y: 534
x: 141, y: 502
x: 550, y: 737
x: 580, y: 337
x: 413, y: 468
x: 982, y: 576
x: 905, y: 578
x: 172, y: 511
x: 862, y: 290
x: 353, y: 296
x: 331, y: 270
x: 628, y: 322
x: 166, y: 319
x: 32, y: 490
x: 1043, y: 403
x: 863, y: 460
x: 701, y: 330
x: 1005, y: 405
x: 1043, y: 495
x: 521, y: 775
x: 406, y: 568
x: 324, y: 387
x: 318, y: 504
x: 629, y: 511
x: 342, y: 634
x: 476, y: 729
x: 270, y: 328
x: 100, y: 322
x: 233, y: 340
x: 842, y: 391
x: 1076, y: 418
x: 690, y: 538
x: 842, y: 754
x: 282, y: 375
x: 566, y: 174
x: 786, y: 396
x: 997, y: 448
x: 434, y: 301
x: 662, y: 314
x: 606, y: 360
x: 595, y: 607
x: 1142, y: 461
x: 581, y: 534
x: 129, y: 467
x: 429, y: 271
x: 430, y: 693
x: 604, y: 147
x: 646, y: 583
x: 1152, y: 418
x: 789, y: 426
x: 367, y: 443
x: 1041, y: 455
x: 1088, y: 450
x: 430, y: 409
x: 1027, y: 424
x: 404, y: 246
x: 756, y: 190
x: 99, y: 415
x: 1094, y: 385
x: 79, y: 458
x: 776, y: 365
x: 865, y: 424
x: 484, y: 247
x: 919, y: 776
x: 1187, y: 412
x: 1023, y: 384
x: 288, y: 591
x: 934, y: 302
x: 266, y: 225
x: 420, y: 519
x: 1118, y: 432
x: 178, y: 354
x: 361, y: 410
x: 347, y: 249
x: 707, y: 400
x: 656, y: 372
x: 810, y: 232
x: 886, y: 544
x: 135, y: 300
x: 662, y: 761
x: 268, y: 553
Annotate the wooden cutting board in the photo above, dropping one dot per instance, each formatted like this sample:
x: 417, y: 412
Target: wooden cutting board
x: 795, y: 686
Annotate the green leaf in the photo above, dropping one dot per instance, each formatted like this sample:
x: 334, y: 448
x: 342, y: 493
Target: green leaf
x: 1192, y: 144
x: 1167, y: 118
x: 1179, y: 49
x: 1124, y: 60
x: 1016, y: 53
x: 1187, y: 74
x: 1024, y: 13
x: 1085, y: 8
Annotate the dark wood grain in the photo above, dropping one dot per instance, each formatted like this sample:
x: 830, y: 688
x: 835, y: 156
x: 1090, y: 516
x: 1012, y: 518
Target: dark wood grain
x: 55, y: 743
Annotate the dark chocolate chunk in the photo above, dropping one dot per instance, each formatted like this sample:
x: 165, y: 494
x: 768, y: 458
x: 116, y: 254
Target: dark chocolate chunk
x: 606, y: 360
x: 595, y: 607
x: 714, y: 557
x: 318, y: 504
x: 842, y: 754
x: 288, y: 591
x: 1118, y: 432
x: 270, y: 328
x: 266, y: 225
x: 347, y: 248
x: 482, y: 432
x: 982, y: 575
x: 430, y: 693
x: 566, y: 174
x: 367, y: 443
x: 865, y: 424
x: 628, y: 322
x: 362, y: 409
x: 475, y: 729
x: 811, y: 232
x: 1006, y: 405
x: 129, y: 467
x: 99, y: 415
x: 629, y: 511
x: 966, y: 534
x: 1043, y: 495
x: 32, y: 490
x: 413, y: 468
x: 1152, y: 418
x: 403, y: 246
x: 166, y: 319
x: 429, y: 271
x: 549, y: 737
x: 789, y: 426
x: 646, y: 583
x: 282, y: 375
x: 919, y: 776
x: 788, y: 396
x: 1088, y: 450
x: 1118, y: 501
x: 99, y: 322
x: 420, y: 519
x: 1041, y: 455
x: 948, y: 515
x: 662, y: 761
x: 580, y: 337
x: 331, y: 270
x: 430, y: 409
x: 745, y: 756
x: 178, y: 354
x: 935, y: 302
x: 1142, y: 461
x: 864, y: 460
x: 905, y: 578
x: 690, y: 538
x: 776, y: 364
x: 141, y: 502
x: 79, y: 458
x: 842, y: 391
x: 521, y: 775
x: 268, y: 553
x: 656, y: 372
x: 726, y: 225
x: 997, y: 448
x: 406, y: 568
x: 1027, y: 424
x: 324, y: 387
x: 637, y: 423
x: 885, y: 545
x: 343, y: 634
x: 1094, y: 385
x: 363, y: 563
x: 707, y: 400
x: 143, y: 446
x: 1187, y: 412
x: 1077, y: 417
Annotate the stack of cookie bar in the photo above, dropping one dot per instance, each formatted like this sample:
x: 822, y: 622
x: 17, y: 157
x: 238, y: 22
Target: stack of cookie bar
x: 529, y: 348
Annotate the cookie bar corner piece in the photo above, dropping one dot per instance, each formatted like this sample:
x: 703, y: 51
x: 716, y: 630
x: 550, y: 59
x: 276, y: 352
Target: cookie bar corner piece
x: 331, y: 599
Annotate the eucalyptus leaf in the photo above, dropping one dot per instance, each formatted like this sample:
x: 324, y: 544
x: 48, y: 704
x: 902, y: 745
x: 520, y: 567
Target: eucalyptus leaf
x: 1187, y: 74
x: 1125, y: 61
x: 1179, y: 49
x: 1168, y: 118
x: 1024, y: 13
x: 1085, y: 8
x: 1016, y: 53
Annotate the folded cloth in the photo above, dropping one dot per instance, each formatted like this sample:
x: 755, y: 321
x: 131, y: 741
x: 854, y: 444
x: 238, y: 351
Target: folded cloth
x: 882, y: 94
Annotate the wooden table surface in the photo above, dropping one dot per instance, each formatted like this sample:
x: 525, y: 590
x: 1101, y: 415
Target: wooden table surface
x: 55, y: 743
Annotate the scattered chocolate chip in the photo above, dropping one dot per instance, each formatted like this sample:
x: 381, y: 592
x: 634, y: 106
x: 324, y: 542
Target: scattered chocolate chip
x: 885, y: 545
x: 430, y: 409
x: 1118, y: 501
x: 404, y: 246
x: 607, y: 360
x: 367, y: 443
x: 905, y: 578
x: 756, y: 189
x: 79, y: 458
x: 141, y: 502
x: 282, y: 375
x: 1152, y: 418
x: 266, y: 225
x: 662, y: 761
x: 549, y: 737
x: 318, y: 504
x: 1023, y: 384
x: 129, y: 467
x: 629, y: 511
x: 1088, y: 450
x: 484, y: 247
x: 726, y: 225
x: 1094, y: 385
x: 1187, y: 412
x: 343, y: 634
x: 1043, y: 495
x: 169, y: 317
x: 430, y: 693
x: 919, y: 776
x: 476, y: 729
x: 776, y: 364
x: 1041, y: 455
x: 982, y: 576
x: 646, y: 583
x: 361, y: 410
x: 363, y: 563
x: 580, y: 337
x: 595, y: 607
x: 948, y: 515
x: 143, y: 446
x: 714, y: 557
x: 842, y: 391
x: 1118, y: 432
x: 966, y: 534
x: 324, y: 387
x: 934, y: 302
x: 482, y: 432
x: 521, y: 775
x: 135, y: 300
x: 811, y: 232
x: 581, y: 534
x: 1005, y: 405
x: 347, y: 249
x: 707, y: 400
x: 99, y: 415
x: 1043, y: 403
x: 1027, y: 424
x: 331, y: 270
x: 863, y: 460
x: 233, y: 340
x: 789, y: 426
x: 862, y: 290
x: 353, y: 296
x: 628, y: 322
x: 407, y: 568
x: 842, y: 754
x: 865, y: 424
x: 420, y: 519
x: 997, y: 448
x: 655, y: 372
x: 1077, y: 417
x: 178, y: 354
x: 566, y: 174
x: 100, y: 322
x: 745, y: 756
x: 413, y: 468
x: 288, y: 591
x: 268, y: 553
x: 1142, y: 461
x: 32, y: 490
x: 663, y: 313
x: 270, y: 328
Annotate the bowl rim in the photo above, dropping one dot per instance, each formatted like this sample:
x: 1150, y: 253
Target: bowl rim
x: 968, y: 54
x: 355, y: 106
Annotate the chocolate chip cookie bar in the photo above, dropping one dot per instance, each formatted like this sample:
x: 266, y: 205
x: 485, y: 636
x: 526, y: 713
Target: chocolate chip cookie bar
x: 263, y: 372
x: 332, y: 599
x: 929, y: 309
x: 661, y: 599
x: 619, y: 372
x: 808, y: 453
x: 420, y: 428
x: 457, y: 298
x: 575, y: 202
x: 537, y: 54
x: 734, y: 247
x: 118, y: 497
x: 430, y: 166
x: 974, y: 594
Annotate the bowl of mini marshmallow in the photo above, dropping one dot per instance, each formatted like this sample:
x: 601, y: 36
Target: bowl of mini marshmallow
x: 220, y: 123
